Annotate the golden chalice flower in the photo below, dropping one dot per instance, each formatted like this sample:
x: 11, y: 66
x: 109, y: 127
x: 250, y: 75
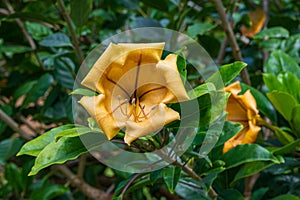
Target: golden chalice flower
x: 134, y: 86
x: 241, y: 109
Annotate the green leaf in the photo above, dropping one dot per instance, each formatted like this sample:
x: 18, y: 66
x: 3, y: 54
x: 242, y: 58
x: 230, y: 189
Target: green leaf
x: 9, y: 148
x: 35, y: 146
x: 181, y: 66
x: 281, y: 62
x: 263, y: 104
x: 227, y: 73
x: 13, y: 176
x: 24, y: 89
x: 229, y: 194
x: 295, y: 120
x: 229, y: 130
x: 283, y: 102
x: 64, y: 71
x: 187, y: 192
x: 288, y: 148
x: 84, y: 92
x: 80, y: 11
x: 49, y: 192
x: 199, y: 28
x: 286, y: 196
x: 37, y: 30
x: 230, y: 71
x: 56, y: 40
x: 292, y: 46
x: 171, y: 177
x: 201, y: 90
x: 130, y: 4
x: 249, y: 169
x: 67, y: 148
x: 272, y: 83
x: 247, y: 153
x: 160, y: 5
x: 38, y: 89
x: 73, y: 132
x: 283, y: 137
x: 274, y: 32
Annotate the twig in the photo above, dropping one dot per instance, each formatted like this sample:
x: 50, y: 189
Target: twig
x: 249, y: 183
x: 67, y: 18
x: 89, y: 191
x: 21, y: 25
x: 221, y: 53
x: 81, y: 166
x: 13, y: 125
x: 212, y: 193
x: 231, y: 38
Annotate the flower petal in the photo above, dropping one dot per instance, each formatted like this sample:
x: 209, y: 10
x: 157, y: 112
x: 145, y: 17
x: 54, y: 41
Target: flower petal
x: 96, y: 108
x: 233, y: 88
x: 117, y: 59
x: 168, y: 68
x: 161, y: 116
x: 247, y: 135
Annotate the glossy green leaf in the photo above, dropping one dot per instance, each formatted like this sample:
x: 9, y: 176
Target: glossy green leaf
x: 35, y: 146
x: 270, y: 44
x: 181, y: 66
x: 202, y: 89
x: 130, y: 4
x: 187, y: 192
x: 272, y: 83
x: 250, y: 169
x: 230, y: 71
x: 281, y: 62
x: 286, y: 197
x: 56, y: 40
x: 283, y: 136
x: 66, y: 148
x: 199, y: 28
x: 246, y: 153
x: 283, y: 102
x: 227, y: 73
x: 296, y: 119
x: 274, y: 32
x: 286, y: 149
x: 38, y: 90
x: 84, y: 92
x: 49, y: 192
x: 171, y: 177
x: 80, y: 11
x: 292, y: 46
x: 73, y: 132
x: 9, y: 148
x: 263, y: 104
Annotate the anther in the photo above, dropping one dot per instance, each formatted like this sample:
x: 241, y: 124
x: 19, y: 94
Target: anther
x: 154, y: 107
x: 119, y: 97
x: 132, y: 101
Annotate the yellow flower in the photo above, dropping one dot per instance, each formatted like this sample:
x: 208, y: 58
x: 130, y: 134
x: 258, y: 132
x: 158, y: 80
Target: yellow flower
x: 134, y: 86
x: 241, y: 109
x: 257, y: 18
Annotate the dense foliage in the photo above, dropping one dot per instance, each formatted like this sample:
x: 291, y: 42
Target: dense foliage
x: 42, y: 45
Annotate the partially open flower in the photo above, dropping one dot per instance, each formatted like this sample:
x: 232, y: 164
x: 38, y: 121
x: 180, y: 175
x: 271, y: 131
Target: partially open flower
x: 241, y: 109
x: 134, y: 86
